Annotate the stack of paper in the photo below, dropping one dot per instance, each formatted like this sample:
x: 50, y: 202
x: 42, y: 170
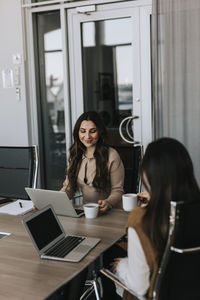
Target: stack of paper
x: 19, y: 207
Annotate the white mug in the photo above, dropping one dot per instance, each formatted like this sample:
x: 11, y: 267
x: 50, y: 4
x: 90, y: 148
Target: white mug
x: 91, y: 210
x: 129, y: 201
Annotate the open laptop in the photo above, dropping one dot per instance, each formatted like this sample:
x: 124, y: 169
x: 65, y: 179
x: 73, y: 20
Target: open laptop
x: 59, y: 200
x: 50, y: 240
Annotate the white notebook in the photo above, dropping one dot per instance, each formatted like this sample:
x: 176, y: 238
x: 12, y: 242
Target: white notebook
x: 15, y: 208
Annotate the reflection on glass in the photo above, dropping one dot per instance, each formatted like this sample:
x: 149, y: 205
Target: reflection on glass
x: 51, y: 101
x: 124, y: 76
x: 107, y: 69
x: 54, y: 75
x: 52, y: 40
x: 117, y: 31
x: 89, y: 34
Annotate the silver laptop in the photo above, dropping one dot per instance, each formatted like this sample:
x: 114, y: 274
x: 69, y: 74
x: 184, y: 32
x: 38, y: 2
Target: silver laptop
x: 59, y: 200
x: 50, y: 240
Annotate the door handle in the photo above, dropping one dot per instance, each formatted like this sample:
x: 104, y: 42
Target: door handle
x: 88, y: 9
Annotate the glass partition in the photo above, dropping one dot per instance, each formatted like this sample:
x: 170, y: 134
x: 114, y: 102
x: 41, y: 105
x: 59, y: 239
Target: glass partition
x: 107, y: 68
x: 50, y: 99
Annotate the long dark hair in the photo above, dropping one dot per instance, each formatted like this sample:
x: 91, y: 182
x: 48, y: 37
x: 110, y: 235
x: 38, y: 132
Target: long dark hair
x: 167, y: 173
x: 101, y: 180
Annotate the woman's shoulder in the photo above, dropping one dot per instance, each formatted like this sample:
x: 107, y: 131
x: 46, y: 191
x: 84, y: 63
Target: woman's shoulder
x: 135, y: 216
x: 113, y: 154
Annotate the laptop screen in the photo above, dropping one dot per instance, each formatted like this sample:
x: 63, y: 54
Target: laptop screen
x: 44, y: 228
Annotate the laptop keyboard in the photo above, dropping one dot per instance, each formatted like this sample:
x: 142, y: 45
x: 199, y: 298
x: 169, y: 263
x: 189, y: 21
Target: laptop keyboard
x: 65, y: 246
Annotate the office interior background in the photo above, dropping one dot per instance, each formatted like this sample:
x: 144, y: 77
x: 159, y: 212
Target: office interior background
x: 120, y: 58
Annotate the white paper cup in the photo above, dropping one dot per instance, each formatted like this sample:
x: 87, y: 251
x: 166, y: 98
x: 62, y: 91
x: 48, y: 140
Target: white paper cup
x: 129, y: 201
x: 91, y: 210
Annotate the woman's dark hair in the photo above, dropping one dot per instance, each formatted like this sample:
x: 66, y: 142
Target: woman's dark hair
x: 167, y: 173
x: 101, y: 180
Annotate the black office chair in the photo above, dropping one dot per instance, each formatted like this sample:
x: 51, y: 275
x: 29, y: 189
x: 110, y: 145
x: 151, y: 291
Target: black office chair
x: 131, y: 157
x: 18, y: 169
x: 179, y: 271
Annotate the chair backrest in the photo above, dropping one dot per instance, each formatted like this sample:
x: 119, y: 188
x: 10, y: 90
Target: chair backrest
x: 179, y: 272
x: 18, y: 169
x: 131, y: 157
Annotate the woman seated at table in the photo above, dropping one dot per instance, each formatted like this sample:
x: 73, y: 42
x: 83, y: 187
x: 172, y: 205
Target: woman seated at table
x: 167, y: 174
x: 94, y: 168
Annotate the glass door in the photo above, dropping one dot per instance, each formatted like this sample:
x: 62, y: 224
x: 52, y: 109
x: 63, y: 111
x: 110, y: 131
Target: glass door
x: 50, y: 99
x: 107, y: 69
x: 103, y: 51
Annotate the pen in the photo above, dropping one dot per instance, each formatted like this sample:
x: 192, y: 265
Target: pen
x: 20, y: 204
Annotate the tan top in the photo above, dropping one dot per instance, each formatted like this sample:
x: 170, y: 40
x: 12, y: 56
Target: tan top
x: 90, y: 194
x: 135, y: 221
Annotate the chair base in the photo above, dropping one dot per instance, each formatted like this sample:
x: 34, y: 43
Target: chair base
x: 93, y: 286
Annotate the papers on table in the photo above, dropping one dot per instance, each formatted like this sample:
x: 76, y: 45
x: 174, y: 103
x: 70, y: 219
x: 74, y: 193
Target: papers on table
x: 15, y: 208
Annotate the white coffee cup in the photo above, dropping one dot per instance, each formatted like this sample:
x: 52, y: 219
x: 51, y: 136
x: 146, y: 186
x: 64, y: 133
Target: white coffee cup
x: 91, y: 210
x: 129, y: 201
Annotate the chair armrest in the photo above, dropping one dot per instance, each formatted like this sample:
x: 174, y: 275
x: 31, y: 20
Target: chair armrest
x: 115, y: 278
x: 186, y: 250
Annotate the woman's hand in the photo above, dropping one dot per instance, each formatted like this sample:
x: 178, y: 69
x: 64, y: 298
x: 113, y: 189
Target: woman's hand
x: 103, y: 205
x: 114, y: 265
x: 144, y: 197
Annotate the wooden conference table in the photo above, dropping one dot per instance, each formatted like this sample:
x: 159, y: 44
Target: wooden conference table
x: 23, y: 275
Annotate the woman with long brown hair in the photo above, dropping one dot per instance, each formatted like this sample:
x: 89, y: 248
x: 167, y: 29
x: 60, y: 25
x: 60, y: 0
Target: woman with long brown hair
x: 167, y: 174
x: 93, y: 167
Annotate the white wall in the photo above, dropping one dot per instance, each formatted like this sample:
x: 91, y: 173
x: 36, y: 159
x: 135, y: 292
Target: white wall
x: 13, y: 114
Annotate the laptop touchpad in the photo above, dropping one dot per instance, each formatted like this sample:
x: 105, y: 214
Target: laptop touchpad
x: 82, y: 248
